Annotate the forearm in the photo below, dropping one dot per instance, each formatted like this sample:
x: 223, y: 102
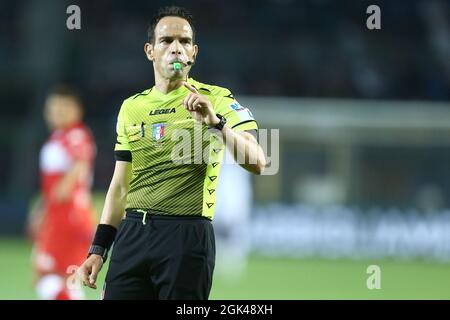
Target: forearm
x: 116, y: 196
x: 245, y: 150
x: 113, y: 210
x: 243, y: 146
x: 114, y: 207
x: 75, y: 174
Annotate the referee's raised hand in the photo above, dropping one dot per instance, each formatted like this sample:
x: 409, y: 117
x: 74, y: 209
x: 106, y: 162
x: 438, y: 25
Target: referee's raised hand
x: 89, y: 270
x: 200, y: 107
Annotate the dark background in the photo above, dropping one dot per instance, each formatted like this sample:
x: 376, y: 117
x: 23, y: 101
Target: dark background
x: 283, y: 48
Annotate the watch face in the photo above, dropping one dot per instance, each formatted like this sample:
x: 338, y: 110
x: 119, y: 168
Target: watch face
x: 222, y: 122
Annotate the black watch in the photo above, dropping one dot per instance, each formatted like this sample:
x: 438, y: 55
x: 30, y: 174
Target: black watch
x: 221, y: 123
x: 101, y: 251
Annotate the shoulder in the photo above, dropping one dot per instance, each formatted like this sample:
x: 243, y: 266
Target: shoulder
x: 212, y: 90
x: 133, y: 100
x: 78, y: 134
x: 136, y: 98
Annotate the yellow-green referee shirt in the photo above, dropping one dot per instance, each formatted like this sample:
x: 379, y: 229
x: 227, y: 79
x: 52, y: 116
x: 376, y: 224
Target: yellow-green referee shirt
x: 171, y: 174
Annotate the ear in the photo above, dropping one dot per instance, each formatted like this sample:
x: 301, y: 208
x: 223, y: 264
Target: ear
x: 148, y: 49
x: 194, y: 56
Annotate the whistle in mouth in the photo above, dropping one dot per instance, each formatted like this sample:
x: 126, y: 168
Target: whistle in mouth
x: 176, y: 66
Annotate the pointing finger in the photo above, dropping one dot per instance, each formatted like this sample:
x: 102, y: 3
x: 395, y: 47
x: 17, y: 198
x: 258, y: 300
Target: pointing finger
x: 190, y: 88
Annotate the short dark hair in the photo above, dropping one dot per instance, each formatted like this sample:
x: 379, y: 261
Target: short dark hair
x: 66, y: 90
x: 171, y: 11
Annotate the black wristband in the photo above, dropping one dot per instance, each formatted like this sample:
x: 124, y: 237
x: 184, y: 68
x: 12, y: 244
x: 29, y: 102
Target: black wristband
x: 221, y: 124
x: 104, y: 237
x: 98, y: 250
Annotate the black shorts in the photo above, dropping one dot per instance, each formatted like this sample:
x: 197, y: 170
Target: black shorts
x: 168, y: 257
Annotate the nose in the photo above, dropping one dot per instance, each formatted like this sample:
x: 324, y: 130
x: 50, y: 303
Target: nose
x: 175, y: 48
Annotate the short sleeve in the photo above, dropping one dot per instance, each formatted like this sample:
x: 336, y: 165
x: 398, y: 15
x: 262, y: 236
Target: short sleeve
x: 122, y: 150
x: 239, y: 118
x: 80, y: 144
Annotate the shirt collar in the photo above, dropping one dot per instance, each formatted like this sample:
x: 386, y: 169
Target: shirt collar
x: 155, y: 93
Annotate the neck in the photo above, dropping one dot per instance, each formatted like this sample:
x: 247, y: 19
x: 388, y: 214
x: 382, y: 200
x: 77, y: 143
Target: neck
x: 167, y: 85
x: 71, y: 124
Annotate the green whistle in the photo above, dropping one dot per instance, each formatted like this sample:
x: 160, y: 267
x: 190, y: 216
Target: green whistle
x: 176, y: 66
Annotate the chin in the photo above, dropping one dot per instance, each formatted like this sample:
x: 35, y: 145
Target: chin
x: 176, y: 75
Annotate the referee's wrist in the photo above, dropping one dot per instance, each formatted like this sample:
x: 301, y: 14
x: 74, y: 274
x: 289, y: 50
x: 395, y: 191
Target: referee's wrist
x: 215, y: 122
x: 96, y: 250
x: 97, y: 256
x: 103, y: 240
x: 218, y: 123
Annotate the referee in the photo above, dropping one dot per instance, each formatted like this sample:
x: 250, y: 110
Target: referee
x: 158, y: 208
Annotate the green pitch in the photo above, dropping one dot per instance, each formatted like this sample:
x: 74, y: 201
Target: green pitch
x: 267, y: 278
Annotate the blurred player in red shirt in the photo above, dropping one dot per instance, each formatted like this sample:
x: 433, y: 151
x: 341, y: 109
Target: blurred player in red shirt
x: 63, y: 223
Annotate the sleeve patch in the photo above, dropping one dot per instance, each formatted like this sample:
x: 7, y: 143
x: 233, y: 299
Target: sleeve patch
x: 236, y: 106
x: 242, y: 112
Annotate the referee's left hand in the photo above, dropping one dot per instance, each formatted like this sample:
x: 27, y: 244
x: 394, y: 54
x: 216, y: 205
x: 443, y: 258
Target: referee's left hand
x: 200, y: 107
x: 89, y: 270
